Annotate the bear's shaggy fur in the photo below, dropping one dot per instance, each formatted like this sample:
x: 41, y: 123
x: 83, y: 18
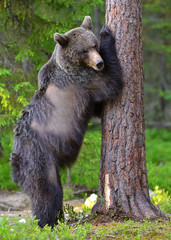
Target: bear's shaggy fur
x: 49, y: 134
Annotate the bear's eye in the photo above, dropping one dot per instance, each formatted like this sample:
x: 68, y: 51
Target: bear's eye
x: 84, y: 52
x: 95, y: 46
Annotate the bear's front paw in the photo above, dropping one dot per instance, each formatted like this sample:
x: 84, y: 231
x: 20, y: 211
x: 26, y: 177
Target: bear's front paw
x: 105, y: 32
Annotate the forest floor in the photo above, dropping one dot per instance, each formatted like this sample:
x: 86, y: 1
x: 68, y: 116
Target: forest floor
x: 17, y: 204
x: 88, y: 226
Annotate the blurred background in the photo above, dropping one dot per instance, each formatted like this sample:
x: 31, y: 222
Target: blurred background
x: 26, y: 43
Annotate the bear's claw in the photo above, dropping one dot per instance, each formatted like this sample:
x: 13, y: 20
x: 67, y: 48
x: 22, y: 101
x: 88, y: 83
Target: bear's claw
x: 105, y: 30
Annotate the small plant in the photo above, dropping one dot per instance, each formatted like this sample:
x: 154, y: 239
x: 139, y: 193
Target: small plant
x: 69, y: 212
x: 162, y: 199
x: 72, y: 215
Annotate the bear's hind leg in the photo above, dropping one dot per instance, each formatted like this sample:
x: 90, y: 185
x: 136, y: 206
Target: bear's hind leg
x: 46, y: 199
x: 47, y: 205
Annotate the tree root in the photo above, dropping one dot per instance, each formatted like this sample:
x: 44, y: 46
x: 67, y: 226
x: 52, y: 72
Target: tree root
x: 138, y: 209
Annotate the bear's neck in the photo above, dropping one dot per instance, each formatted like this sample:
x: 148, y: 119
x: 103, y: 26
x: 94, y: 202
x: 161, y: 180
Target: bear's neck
x: 76, y: 74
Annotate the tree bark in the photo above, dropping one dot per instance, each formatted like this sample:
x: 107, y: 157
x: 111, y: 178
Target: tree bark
x: 123, y: 184
x: 97, y: 24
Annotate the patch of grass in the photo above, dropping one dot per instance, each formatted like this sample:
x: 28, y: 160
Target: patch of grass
x: 158, y: 155
x: 159, y: 175
x: 158, y: 146
x: 11, y: 229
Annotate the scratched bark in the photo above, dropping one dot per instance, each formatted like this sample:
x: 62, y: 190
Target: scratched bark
x: 123, y: 176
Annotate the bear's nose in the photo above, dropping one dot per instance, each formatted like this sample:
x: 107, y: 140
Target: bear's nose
x: 100, y: 64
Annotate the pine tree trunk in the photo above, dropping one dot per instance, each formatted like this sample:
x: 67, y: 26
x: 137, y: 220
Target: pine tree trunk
x: 123, y: 183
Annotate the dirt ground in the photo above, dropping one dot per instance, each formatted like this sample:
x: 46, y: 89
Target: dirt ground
x: 17, y: 204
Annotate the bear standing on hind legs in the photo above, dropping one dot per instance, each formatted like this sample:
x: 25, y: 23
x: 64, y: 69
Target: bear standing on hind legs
x: 79, y: 76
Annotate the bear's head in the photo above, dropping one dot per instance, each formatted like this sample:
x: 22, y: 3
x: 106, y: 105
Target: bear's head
x: 79, y: 47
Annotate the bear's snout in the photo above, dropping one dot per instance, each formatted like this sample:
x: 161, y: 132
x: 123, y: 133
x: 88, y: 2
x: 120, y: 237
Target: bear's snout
x: 94, y: 60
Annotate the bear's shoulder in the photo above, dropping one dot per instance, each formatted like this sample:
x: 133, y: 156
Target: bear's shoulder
x: 52, y: 73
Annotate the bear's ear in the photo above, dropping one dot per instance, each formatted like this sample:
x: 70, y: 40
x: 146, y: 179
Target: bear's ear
x: 87, y: 23
x: 62, y: 39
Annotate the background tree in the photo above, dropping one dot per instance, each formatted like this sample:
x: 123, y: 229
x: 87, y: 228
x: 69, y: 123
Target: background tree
x: 123, y: 177
x: 157, y: 59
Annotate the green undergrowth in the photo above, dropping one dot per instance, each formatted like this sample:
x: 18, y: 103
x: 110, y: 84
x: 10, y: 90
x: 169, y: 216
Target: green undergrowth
x: 86, y: 170
x: 162, y: 199
x: 11, y: 229
x: 158, y: 154
x: 6, y: 140
x: 6, y: 182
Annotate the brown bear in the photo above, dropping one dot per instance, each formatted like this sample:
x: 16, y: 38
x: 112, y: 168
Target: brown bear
x: 73, y: 84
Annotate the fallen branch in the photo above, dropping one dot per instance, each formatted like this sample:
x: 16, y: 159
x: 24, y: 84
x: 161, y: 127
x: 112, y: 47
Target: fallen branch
x: 84, y: 191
